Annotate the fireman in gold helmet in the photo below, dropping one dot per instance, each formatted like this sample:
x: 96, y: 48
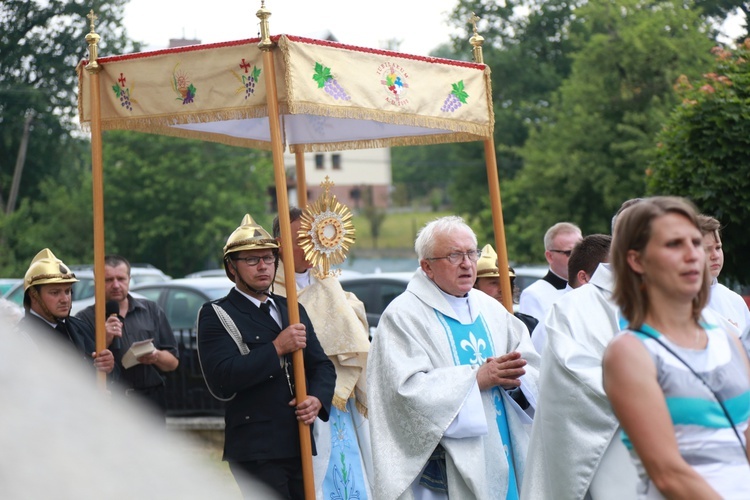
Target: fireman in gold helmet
x: 250, y: 236
x: 47, y: 300
x: 245, y: 345
x: 488, y: 276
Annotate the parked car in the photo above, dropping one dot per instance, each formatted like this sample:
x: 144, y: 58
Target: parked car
x: 207, y: 273
x: 84, y: 288
x: 377, y: 290
x: 181, y: 299
x: 8, y: 283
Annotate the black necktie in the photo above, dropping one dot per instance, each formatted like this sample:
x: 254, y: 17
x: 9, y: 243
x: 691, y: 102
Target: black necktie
x: 63, y: 329
x: 265, y: 307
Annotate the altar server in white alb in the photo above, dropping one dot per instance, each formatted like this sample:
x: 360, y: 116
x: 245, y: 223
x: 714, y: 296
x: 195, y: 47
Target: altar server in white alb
x: 452, y: 381
x: 537, y: 298
x: 728, y: 304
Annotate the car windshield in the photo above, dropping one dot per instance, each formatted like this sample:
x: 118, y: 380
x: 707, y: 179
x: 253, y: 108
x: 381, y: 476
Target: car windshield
x: 217, y: 293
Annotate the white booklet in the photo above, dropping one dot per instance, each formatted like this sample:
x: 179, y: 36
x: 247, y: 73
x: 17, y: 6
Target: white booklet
x: 137, y: 349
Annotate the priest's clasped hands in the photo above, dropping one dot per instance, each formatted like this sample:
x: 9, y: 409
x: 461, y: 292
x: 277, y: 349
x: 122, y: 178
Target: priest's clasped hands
x: 504, y: 371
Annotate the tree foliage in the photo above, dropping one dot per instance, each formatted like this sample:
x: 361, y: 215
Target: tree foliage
x: 173, y: 202
x: 704, y: 150
x: 587, y: 153
x: 41, y: 41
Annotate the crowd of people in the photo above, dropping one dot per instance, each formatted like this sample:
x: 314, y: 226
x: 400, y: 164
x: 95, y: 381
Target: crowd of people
x: 622, y: 376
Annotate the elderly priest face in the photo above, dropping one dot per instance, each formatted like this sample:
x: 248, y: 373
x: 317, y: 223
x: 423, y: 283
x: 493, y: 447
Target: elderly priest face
x: 452, y: 261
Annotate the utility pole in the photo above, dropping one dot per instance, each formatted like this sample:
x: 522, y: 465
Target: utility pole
x: 20, y: 160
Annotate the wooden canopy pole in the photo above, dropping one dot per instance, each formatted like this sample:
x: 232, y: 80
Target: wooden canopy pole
x: 97, y: 186
x: 299, y: 161
x: 282, y: 199
x: 494, y: 190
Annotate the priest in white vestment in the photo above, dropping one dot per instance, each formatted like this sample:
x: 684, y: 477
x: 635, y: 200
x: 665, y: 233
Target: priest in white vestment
x: 575, y: 449
x: 342, y: 467
x: 452, y: 381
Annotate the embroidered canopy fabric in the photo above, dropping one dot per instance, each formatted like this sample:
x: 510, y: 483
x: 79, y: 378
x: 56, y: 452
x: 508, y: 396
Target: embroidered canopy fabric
x: 331, y: 96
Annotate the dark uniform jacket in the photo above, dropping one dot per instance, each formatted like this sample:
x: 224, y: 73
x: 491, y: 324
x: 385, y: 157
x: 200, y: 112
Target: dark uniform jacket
x: 79, y: 335
x: 260, y: 424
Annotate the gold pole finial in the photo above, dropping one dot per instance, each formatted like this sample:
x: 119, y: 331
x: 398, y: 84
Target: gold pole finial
x: 93, y: 39
x: 265, y: 32
x: 476, y: 40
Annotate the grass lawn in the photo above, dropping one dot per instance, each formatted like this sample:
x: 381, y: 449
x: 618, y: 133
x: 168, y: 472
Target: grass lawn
x: 397, y: 231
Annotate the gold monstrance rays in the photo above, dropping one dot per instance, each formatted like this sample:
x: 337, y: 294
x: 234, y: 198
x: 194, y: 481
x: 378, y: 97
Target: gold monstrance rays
x: 326, y: 232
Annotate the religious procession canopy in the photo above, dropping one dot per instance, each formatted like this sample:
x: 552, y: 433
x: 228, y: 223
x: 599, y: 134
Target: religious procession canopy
x: 331, y: 96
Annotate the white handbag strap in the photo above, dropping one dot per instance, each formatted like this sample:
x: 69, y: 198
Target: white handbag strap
x: 233, y: 332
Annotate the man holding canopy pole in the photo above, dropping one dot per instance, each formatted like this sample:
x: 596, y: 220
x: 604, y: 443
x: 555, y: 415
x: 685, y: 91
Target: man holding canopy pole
x: 245, y: 344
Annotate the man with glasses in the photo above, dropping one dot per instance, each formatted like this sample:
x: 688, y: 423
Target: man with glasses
x: 538, y: 297
x: 452, y: 380
x: 245, y: 345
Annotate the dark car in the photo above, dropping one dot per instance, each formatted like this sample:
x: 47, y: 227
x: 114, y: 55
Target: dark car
x: 377, y: 290
x: 181, y: 300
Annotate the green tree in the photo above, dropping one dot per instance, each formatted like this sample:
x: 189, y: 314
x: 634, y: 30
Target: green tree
x: 589, y: 152
x: 40, y: 44
x: 173, y: 202
x: 530, y: 55
x: 704, y: 150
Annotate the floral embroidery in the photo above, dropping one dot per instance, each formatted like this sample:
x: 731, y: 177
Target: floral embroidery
x: 477, y: 346
x: 123, y: 93
x: 248, y: 81
x: 343, y: 481
x: 328, y: 82
x: 182, y: 86
x: 457, y: 97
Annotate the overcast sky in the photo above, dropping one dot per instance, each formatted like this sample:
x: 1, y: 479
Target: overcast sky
x: 421, y: 25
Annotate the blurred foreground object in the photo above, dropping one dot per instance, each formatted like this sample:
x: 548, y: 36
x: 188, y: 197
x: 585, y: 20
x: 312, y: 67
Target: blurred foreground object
x: 54, y: 420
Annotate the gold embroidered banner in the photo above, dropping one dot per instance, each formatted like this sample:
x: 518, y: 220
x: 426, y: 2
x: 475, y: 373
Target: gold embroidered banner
x: 331, y: 96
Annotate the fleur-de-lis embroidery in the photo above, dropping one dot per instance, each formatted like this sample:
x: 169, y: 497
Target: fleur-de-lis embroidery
x: 476, y: 346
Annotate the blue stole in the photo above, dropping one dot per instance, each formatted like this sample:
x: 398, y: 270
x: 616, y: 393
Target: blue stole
x: 471, y: 345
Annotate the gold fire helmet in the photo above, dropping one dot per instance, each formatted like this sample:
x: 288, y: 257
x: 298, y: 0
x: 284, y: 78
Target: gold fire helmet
x: 487, y: 264
x: 45, y: 268
x: 249, y: 236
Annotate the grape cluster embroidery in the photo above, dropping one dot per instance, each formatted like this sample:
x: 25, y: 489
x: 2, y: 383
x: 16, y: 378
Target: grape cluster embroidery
x: 247, y: 81
x: 123, y: 93
x: 250, y: 81
x: 456, y: 98
x: 328, y: 82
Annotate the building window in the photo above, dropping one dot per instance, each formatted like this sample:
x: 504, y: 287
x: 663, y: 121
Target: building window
x: 336, y: 161
x: 319, y: 161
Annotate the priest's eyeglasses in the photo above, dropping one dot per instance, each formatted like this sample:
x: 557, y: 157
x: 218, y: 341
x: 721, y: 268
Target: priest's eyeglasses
x: 458, y: 257
x: 564, y: 252
x: 255, y: 260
